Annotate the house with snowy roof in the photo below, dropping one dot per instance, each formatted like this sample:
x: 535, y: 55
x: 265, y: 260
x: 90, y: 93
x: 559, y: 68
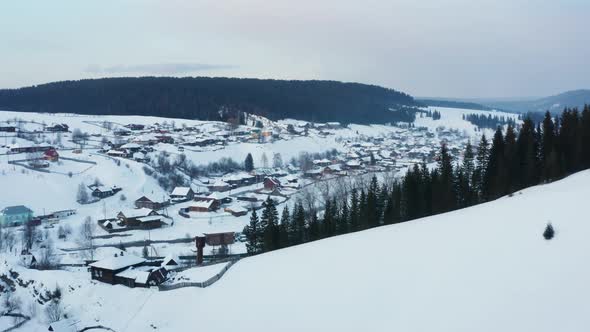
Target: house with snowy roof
x: 182, y: 194
x: 151, y: 202
x: 105, y: 270
x: 206, y: 205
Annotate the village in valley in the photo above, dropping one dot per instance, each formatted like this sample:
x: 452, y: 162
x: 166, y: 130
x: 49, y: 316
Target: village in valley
x: 153, y: 202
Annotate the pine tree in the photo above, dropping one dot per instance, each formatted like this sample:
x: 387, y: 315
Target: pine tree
x: 354, y: 211
x: 372, y: 210
x: 314, y: 227
x: 252, y: 233
x: 363, y: 211
x: 527, y: 155
x: 342, y: 224
x: 285, y: 228
x: 512, y: 166
x: 549, y: 232
x: 269, y: 224
x: 479, y: 173
x: 468, y: 170
x: 249, y: 163
x: 494, y: 181
x: 298, y: 232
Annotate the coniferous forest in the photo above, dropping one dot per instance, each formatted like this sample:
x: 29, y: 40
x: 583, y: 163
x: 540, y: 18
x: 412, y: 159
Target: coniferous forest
x: 207, y: 98
x: 488, y: 121
x: 501, y: 165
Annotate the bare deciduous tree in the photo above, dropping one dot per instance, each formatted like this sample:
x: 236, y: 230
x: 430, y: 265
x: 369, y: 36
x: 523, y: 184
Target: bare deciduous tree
x: 54, y: 311
x: 87, y: 231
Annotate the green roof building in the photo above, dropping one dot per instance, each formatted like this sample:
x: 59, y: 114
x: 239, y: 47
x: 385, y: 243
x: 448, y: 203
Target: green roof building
x: 15, y: 215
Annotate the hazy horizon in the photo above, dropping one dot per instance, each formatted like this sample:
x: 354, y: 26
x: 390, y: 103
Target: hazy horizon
x: 456, y: 49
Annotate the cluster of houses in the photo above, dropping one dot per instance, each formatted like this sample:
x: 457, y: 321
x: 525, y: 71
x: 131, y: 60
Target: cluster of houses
x: 132, y: 271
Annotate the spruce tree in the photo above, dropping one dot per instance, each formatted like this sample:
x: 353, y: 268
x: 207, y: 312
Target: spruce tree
x: 285, y: 228
x: 354, y: 211
x: 549, y: 232
x: 342, y: 224
x: 314, y: 227
x: 249, y: 163
x: 298, y: 233
x: 479, y: 173
x: 269, y: 224
x: 252, y: 232
x: 468, y: 170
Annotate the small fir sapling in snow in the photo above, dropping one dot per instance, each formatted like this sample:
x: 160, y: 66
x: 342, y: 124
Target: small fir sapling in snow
x: 549, y: 232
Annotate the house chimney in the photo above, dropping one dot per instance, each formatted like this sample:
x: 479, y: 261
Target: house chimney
x: 200, y: 243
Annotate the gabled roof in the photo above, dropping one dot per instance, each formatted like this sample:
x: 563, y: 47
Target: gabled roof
x: 203, y: 204
x: 64, y: 325
x: 170, y: 260
x: 140, y: 276
x: 17, y: 209
x: 117, y: 263
x: 137, y: 213
x: 180, y: 191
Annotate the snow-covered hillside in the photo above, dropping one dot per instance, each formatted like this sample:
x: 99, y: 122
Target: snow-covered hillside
x: 484, y: 268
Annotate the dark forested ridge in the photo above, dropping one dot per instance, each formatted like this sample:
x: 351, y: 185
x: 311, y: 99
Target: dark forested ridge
x: 204, y: 97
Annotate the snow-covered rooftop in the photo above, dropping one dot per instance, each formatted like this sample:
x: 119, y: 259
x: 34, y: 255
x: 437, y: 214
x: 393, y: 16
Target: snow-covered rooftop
x: 117, y: 263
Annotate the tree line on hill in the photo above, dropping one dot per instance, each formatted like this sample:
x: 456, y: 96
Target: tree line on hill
x: 208, y: 98
x: 547, y: 151
x: 489, y: 121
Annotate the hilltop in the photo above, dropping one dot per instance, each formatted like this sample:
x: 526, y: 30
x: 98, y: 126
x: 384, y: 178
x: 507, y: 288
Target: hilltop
x: 207, y: 98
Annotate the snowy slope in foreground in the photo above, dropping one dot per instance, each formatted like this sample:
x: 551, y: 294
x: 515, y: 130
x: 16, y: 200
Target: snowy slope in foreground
x: 485, y: 268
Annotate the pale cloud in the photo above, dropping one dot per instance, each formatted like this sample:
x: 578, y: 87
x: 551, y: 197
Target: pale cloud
x: 171, y: 69
x: 454, y: 48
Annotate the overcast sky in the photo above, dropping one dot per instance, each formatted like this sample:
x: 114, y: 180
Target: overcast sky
x: 450, y: 48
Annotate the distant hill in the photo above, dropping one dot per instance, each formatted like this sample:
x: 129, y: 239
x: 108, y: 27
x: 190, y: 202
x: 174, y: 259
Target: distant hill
x: 575, y: 98
x: 207, y: 98
x: 454, y: 104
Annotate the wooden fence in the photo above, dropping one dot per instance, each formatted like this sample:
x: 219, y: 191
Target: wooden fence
x: 203, y: 284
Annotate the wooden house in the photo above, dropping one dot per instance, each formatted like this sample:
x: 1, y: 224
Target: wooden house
x: 142, y: 218
x: 182, y: 194
x: 236, y: 210
x: 103, y: 191
x: 218, y: 186
x: 61, y: 127
x: 205, y: 205
x: 150, y: 203
x: 106, y: 270
x: 271, y: 183
x: 51, y: 155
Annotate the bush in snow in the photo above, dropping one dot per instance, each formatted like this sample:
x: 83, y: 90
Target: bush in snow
x: 123, y: 198
x: 54, y: 311
x: 549, y: 232
x: 82, y: 195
